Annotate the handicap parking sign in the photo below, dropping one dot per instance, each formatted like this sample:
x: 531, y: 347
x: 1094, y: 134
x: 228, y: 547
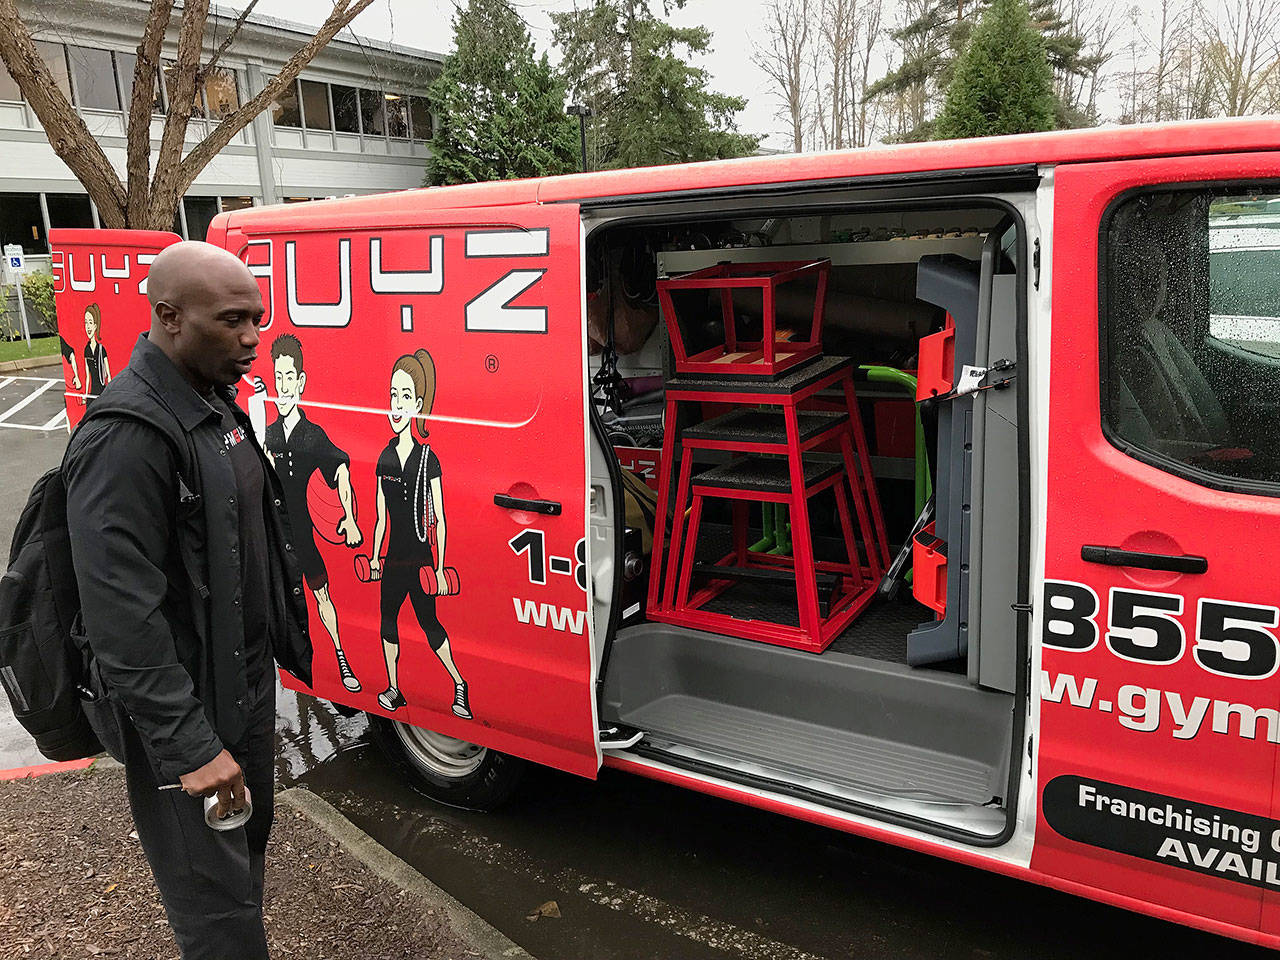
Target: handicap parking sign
x: 15, y: 262
x: 13, y: 256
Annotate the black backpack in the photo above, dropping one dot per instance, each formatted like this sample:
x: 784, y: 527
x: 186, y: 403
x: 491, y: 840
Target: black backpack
x: 42, y: 669
x: 45, y: 664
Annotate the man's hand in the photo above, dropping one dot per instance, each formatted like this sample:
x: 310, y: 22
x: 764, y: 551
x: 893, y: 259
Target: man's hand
x: 375, y: 567
x: 221, y: 775
x: 348, y: 529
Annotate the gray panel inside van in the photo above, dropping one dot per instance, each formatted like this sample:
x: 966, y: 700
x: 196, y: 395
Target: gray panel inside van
x: 994, y: 629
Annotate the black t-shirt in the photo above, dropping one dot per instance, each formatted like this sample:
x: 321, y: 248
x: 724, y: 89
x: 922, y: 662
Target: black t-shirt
x: 306, y: 450
x: 255, y: 575
x: 410, y: 506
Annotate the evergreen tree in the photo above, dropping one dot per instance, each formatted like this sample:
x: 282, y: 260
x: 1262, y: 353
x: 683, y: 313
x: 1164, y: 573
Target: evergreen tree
x: 936, y: 32
x: 499, y: 109
x: 649, y: 104
x: 1002, y: 82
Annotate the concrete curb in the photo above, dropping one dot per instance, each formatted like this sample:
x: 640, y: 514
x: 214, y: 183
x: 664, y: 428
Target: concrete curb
x: 486, y: 939
x: 40, y: 769
x: 32, y: 363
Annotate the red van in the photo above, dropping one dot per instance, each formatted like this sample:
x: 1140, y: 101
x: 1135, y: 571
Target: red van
x: 926, y: 492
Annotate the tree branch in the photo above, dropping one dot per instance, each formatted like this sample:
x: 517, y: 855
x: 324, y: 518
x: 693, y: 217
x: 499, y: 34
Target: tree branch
x: 343, y: 13
x: 138, y: 149
x: 222, y: 48
x: 181, y: 100
x: 67, y: 133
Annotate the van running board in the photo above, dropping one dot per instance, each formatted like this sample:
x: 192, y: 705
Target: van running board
x: 852, y: 769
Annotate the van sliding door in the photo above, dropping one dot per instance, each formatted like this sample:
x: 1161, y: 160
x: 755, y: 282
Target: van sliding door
x: 441, y: 352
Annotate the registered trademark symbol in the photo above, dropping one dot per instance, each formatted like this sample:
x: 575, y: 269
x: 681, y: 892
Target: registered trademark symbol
x: 491, y: 363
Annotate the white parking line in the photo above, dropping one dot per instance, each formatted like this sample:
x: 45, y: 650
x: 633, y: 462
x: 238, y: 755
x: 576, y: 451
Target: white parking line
x: 59, y: 420
x: 6, y: 381
x: 22, y: 404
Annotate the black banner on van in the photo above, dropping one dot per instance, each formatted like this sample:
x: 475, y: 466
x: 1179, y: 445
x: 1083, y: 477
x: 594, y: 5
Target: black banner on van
x: 1181, y: 833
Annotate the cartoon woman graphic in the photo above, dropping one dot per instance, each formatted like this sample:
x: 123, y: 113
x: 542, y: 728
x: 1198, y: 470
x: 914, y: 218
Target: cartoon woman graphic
x: 410, y: 496
x: 97, y: 371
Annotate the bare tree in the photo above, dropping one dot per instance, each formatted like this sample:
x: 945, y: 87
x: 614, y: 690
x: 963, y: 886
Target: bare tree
x: 869, y: 40
x: 146, y: 199
x: 838, y: 31
x: 1100, y: 32
x: 785, y: 59
x: 1241, y: 51
x: 1190, y: 78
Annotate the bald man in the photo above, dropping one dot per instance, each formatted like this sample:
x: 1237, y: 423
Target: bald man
x: 188, y: 593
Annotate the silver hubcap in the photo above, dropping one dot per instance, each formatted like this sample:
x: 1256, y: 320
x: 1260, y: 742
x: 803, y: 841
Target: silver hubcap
x: 443, y: 756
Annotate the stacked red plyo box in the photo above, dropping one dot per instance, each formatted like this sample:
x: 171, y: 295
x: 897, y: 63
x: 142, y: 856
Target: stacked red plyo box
x: 774, y: 430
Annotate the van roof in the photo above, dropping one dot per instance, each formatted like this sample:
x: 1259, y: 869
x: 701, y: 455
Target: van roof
x: 1231, y: 135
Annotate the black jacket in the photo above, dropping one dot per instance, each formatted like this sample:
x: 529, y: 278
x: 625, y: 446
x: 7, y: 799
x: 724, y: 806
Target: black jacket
x: 154, y: 524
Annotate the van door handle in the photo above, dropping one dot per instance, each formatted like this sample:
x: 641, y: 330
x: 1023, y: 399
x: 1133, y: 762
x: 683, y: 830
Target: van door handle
x: 549, y: 507
x: 1115, y: 557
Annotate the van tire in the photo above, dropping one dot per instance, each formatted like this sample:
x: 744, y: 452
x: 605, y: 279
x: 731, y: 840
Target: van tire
x: 450, y: 771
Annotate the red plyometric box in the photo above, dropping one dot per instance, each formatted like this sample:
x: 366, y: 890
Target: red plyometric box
x: 769, y: 356
x: 929, y: 560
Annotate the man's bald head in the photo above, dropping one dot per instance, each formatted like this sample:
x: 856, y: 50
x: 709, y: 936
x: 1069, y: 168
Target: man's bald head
x: 191, y: 268
x: 205, y: 311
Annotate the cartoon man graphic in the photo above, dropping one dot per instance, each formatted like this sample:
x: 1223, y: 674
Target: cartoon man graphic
x: 299, y: 448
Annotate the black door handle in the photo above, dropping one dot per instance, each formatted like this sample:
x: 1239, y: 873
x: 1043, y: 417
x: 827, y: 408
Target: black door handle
x: 1115, y: 557
x: 549, y: 507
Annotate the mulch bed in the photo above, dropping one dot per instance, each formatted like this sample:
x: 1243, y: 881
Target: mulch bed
x: 74, y: 883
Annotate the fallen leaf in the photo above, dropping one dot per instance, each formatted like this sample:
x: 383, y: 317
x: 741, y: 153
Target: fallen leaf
x: 110, y: 888
x: 548, y: 909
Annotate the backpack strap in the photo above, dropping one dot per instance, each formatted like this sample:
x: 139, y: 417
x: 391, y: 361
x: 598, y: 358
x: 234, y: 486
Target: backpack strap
x: 187, y: 469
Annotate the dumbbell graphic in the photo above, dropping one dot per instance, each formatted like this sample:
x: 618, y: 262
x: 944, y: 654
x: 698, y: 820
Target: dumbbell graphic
x: 427, y: 576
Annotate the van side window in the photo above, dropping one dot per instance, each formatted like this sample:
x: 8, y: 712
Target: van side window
x: 1190, y: 329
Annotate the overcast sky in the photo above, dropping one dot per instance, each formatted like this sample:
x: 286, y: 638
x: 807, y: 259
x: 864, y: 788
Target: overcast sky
x: 427, y: 24
x: 734, y: 24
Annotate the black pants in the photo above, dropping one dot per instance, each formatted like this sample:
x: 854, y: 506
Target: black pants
x: 400, y: 580
x: 210, y: 881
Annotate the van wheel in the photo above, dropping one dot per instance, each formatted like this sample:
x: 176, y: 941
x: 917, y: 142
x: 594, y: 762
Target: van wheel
x: 450, y: 771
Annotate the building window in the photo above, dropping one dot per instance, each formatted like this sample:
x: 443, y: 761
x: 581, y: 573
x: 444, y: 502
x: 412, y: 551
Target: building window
x: 420, y: 118
x: 69, y: 210
x: 315, y: 105
x: 8, y: 86
x: 297, y: 199
x: 335, y: 106
x: 284, y: 111
x: 346, y: 109
x: 126, y: 64
x: 200, y: 213
x: 397, y: 116
x: 236, y: 203
x: 20, y: 222
x: 95, y: 78
x: 373, y: 113
x: 221, y: 93
x: 55, y: 58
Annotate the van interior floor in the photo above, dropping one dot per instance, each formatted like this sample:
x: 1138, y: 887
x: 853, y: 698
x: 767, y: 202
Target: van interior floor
x: 854, y: 724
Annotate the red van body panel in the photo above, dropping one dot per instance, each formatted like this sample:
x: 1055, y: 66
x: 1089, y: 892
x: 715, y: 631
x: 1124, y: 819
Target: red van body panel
x: 107, y: 269
x: 1147, y: 731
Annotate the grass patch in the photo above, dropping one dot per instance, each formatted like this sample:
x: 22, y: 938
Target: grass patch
x: 17, y: 349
